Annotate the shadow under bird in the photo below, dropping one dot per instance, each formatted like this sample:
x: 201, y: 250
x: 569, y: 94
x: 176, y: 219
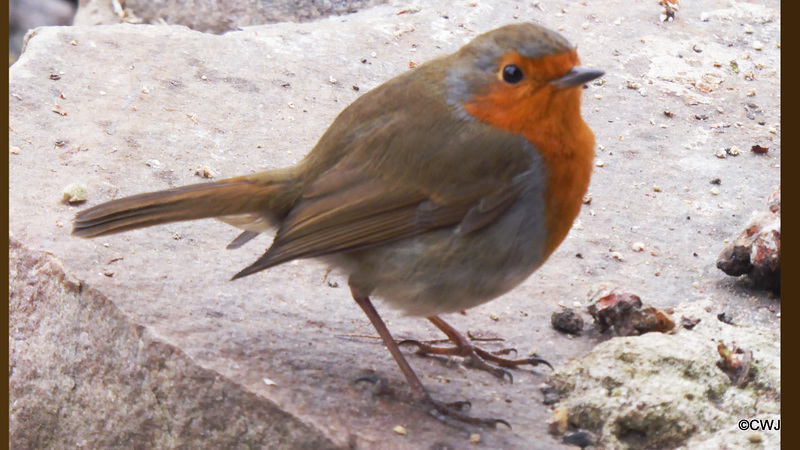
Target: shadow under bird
x: 437, y: 191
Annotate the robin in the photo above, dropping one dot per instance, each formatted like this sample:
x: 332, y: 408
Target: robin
x: 437, y: 191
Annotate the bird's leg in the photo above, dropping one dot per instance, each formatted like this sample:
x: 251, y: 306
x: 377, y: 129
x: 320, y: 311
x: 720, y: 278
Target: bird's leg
x: 475, y: 356
x: 449, y: 413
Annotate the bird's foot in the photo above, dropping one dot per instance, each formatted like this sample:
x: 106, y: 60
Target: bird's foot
x: 478, y: 358
x: 453, y: 414
x: 475, y: 357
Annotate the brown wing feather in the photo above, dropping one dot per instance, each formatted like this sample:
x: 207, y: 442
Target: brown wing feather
x: 370, y: 214
x: 359, y: 216
x: 398, y: 174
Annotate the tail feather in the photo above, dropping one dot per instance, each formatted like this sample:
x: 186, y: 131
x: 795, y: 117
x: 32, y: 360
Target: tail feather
x: 267, y: 194
x: 245, y: 237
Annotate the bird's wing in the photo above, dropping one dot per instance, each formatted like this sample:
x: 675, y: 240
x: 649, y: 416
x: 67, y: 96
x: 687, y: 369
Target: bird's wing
x: 395, y: 186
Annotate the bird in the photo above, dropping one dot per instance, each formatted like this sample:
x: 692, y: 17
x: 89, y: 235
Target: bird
x: 437, y: 191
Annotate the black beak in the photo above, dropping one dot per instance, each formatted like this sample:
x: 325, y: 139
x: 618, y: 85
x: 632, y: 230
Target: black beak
x: 577, y: 76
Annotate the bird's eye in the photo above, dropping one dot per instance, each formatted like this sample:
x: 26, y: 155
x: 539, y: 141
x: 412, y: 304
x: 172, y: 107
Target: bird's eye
x: 512, y: 74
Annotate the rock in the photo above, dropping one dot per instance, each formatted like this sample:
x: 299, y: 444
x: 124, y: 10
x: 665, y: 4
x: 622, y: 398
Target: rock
x: 639, y: 392
x: 612, y: 307
x: 757, y: 250
x: 567, y: 320
x: 733, y: 437
x: 666, y: 390
x: 83, y: 374
x: 736, y: 363
x: 26, y: 15
x: 774, y: 201
x: 213, y: 16
x: 580, y: 438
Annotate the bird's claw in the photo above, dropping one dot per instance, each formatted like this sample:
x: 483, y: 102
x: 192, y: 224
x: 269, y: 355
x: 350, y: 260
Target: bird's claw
x: 461, y: 405
x: 503, y: 362
x: 452, y: 414
x: 478, y: 358
x: 379, y: 382
x: 505, y: 351
x: 477, y: 362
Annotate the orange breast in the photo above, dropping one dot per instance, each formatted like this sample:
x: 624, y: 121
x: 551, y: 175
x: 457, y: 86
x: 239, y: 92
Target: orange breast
x: 550, y: 119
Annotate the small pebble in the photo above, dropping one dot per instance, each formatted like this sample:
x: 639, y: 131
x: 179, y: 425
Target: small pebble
x: 599, y: 163
x: 758, y: 45
x: 75, y: 192
x: 401, y: 430
x: 567, y: 320
x: 638, y: 246
x: 689, y: 322
x: 204, y: 171
x: 558, y: 424
x: 580, y: 438
x: 714, y: 191
x: 475, y: 438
